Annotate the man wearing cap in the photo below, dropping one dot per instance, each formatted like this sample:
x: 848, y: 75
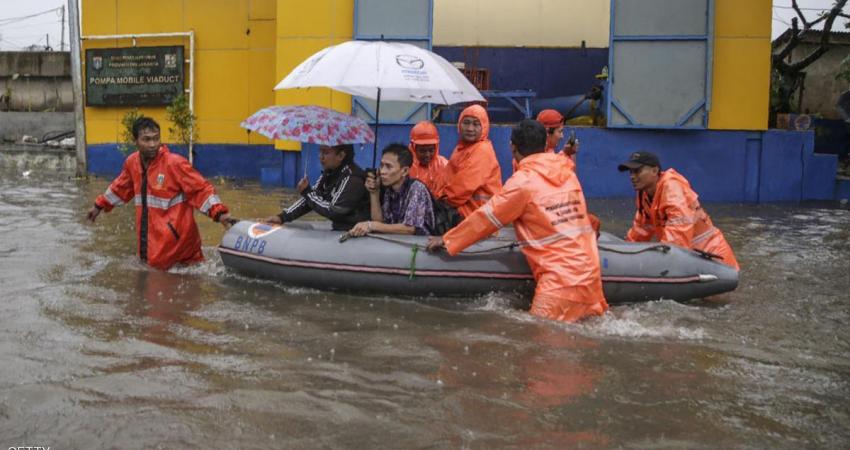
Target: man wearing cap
x: 427, y: 165
x: 553, y: 121
x: 668, y: 210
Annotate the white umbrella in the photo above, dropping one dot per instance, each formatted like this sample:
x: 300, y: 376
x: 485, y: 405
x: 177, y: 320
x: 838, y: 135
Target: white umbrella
x: 382, y: 70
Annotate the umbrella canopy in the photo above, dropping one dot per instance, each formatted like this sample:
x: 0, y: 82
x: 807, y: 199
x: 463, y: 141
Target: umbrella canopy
x: 386, y: 71
x: 311, y: 124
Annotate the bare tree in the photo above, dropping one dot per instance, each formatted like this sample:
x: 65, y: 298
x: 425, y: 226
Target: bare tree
x: 787, y: 77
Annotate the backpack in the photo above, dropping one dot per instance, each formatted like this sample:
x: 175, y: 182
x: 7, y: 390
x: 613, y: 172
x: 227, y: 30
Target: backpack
x: 446, y: 216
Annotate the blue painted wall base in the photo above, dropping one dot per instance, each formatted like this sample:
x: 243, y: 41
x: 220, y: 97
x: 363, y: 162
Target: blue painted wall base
x: 842, y: 189
x: 722, y: 166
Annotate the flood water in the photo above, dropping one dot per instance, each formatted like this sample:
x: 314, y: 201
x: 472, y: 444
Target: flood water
x: 100, y: 352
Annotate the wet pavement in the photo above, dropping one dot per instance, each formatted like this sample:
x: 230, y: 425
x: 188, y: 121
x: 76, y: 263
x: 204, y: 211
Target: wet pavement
x: 100, y: 352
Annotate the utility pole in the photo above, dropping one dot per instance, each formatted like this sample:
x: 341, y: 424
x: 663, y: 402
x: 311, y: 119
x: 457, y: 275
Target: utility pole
x: 62, y: 31
x: 47, y: 39
x: 77, y: 84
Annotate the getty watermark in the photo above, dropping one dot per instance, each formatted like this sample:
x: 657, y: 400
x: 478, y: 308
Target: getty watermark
x: 27, y: 447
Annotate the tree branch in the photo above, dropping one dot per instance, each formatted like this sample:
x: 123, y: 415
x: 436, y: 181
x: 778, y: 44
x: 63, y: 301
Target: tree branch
x: 824, y: 39
x: 794, y: 5
x: 793, y: 40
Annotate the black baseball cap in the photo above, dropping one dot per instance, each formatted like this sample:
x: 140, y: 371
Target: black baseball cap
x: 638, y: 159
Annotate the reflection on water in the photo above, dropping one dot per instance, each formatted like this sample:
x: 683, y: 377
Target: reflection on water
x: 99, y: 351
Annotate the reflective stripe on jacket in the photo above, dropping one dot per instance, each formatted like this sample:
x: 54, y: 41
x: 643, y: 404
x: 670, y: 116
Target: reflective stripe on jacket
x: 545, y: 202
x: 472, y: 175
x: 674, y: 215
x: 165, y: 195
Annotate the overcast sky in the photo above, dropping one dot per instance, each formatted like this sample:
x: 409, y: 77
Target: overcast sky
x: 17, y: 34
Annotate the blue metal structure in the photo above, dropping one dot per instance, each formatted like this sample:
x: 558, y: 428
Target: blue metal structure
x: 660, y: 60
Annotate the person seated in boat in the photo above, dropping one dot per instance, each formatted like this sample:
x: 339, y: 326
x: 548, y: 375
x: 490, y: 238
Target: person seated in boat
x: 545, y: 202
x: 399, y: 203
x: 428, y: 165
x: 668, y: 210
x: 339, y: 194
x: 472, y: 175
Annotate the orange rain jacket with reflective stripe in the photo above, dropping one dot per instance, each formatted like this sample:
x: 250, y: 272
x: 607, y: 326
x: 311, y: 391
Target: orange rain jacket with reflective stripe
x: 571, y: 164
x: 545, y: 202
x: 675, y: 216
x: 425, y: 133
x: 165, y: 195
x: 472, y: 175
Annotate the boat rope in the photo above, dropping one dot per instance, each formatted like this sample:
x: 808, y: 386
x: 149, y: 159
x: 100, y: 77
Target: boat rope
x: 509, y: 245
x: 707, y: 255
x: 660, y: 247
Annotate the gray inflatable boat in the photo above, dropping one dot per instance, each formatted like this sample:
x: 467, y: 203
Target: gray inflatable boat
x: 310, y: 254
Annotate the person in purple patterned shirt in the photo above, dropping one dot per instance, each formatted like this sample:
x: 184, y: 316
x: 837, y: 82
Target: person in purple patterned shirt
x: 399, y: 204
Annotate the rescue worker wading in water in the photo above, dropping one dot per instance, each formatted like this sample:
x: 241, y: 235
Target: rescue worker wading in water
x: 668, y: 210
x: 545, y: 202
x: 165, y: 189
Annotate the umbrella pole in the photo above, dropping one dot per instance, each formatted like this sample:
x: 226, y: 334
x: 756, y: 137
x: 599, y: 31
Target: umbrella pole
x: 377, y: 124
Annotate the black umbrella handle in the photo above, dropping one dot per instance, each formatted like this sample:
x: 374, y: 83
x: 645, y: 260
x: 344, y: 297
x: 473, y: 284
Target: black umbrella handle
x: 377, y: 124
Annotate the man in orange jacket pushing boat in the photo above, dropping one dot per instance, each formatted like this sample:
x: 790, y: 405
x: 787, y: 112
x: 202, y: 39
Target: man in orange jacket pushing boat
x: 668, y: 210
x: 545, y: 202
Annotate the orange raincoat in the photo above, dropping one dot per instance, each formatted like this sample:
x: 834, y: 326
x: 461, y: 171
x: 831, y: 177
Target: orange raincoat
x: 425, y: 133
x: 571, y: 164
x: 166, y: 195
x: 472, y: 175
x: 674, y: 215
x: 545, y: 202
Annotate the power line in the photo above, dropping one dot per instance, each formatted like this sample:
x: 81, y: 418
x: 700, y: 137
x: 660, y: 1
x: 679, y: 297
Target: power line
x: 18, y: 19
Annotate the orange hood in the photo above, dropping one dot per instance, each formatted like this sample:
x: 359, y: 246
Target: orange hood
x: 479, y: 113
x: 553, y: 167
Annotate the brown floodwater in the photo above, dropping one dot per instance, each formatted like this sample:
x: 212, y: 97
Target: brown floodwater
x: 99, y: 351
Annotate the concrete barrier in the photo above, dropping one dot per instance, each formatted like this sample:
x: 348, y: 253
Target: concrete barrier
x: 14, y: 125
x: 35, y: 81
x: 37, y: 158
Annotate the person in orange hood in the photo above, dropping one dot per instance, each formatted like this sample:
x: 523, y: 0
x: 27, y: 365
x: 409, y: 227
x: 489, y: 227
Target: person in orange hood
x: 668, y: 210
x: 166, y: 190
x: 472, y: 175
x: 544, y: 200
x: 554, y: 123
x: 427, y: 165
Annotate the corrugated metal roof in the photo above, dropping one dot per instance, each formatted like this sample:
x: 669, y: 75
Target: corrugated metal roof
x: 814, y: 36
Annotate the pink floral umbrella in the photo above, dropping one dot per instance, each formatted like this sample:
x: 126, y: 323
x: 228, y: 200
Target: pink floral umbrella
x: 309, y: 123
